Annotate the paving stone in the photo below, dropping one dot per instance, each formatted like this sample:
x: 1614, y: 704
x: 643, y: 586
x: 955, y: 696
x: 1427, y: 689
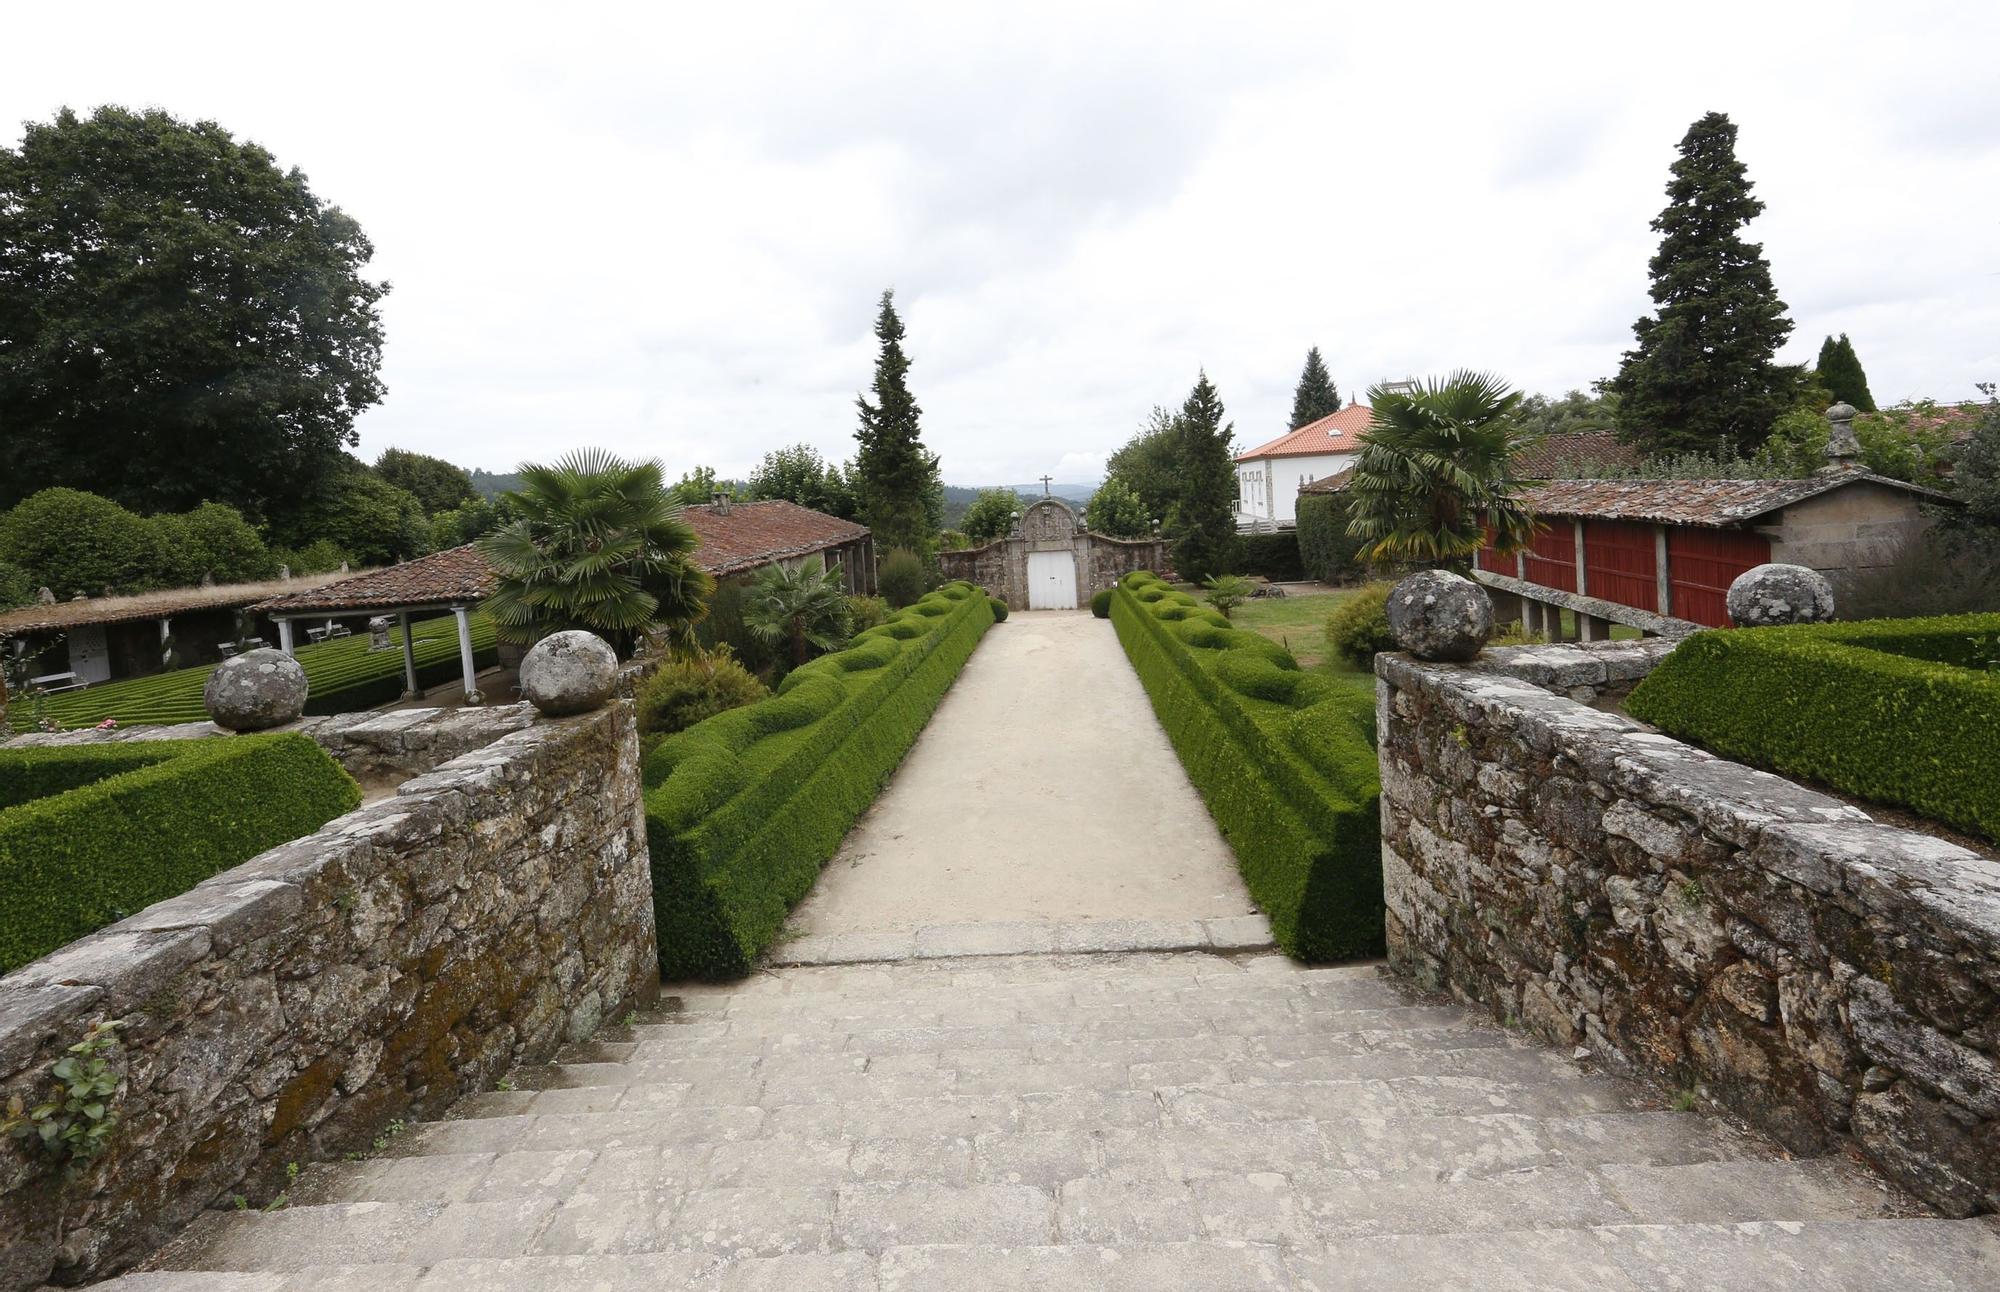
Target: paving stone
x: 755, y: 1221
x: 654, y: 1272
x: 1210, y: 1267
x: 1238, y: 932
x: 1548, y: 1261
x: 505, y: 1227
x: 837, y: 1272
x: 1127, y: 1207
x: 1130, y: 935
x: 1259, y: 1208
x: 875, y: 1216
x: 1003, y: 938
x: 1781, y: 1256
x: 600, y: 1224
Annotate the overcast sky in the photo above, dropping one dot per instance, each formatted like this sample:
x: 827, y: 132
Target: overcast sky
x: 663, y: 228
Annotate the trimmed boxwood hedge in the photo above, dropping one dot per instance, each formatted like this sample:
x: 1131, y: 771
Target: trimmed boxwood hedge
x: 343, y: 675
x: 1283, y: 758
x: 1274, y: 556
x: 161, y: 817
x: 1902, y: 711
x: 744, y: 808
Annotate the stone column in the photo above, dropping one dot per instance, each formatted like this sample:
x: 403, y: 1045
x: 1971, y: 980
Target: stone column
x: 459, y: 613
x: 409, y: 657
x: 285, y: 636
x: 1662, y: 571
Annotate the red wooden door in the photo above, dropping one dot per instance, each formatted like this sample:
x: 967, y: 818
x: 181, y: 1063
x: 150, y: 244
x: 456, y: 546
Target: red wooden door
x: 1551, y: 558
x: 1621, y: 563
x: 1490, y: 559
x: 1702, y: 563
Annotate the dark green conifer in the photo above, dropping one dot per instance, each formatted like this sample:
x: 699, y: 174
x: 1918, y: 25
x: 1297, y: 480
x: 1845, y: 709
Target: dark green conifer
x: 894, y: 474
x: 1839, y: 370
x: 1203, y: 517
x: 1703, y: 377
x: 1316, y: 396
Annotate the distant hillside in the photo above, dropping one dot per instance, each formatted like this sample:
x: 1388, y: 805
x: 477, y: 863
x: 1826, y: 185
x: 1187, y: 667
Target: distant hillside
x: 491, y: 485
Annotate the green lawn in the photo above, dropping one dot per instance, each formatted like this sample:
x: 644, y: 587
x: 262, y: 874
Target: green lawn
x: 343, y: 676
x: 1298, y: 623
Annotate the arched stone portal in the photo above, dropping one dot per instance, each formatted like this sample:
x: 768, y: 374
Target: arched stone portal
x: 1050, y: 561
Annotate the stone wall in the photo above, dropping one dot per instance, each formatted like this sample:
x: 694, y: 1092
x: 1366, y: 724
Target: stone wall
x: 1848, y: 531
x: 1827, y: 977
x: 489, y: 910
x: 1001, y: 567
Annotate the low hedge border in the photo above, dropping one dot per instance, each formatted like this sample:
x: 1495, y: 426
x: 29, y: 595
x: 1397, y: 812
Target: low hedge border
x: 1283, y: 758
x: 744, y: 808
x: 1900, y: 711
x: 108, y: 846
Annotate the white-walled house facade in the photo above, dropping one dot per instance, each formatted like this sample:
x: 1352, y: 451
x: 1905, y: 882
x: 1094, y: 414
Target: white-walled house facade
x: 1269, y: 476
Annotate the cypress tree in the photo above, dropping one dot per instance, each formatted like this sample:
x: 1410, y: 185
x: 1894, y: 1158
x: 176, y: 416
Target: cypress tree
x: 1316, y: 396
x: 1203, y: 516
x: 895, y: 476
x: 1702, y: 378
x: 1839, y: 370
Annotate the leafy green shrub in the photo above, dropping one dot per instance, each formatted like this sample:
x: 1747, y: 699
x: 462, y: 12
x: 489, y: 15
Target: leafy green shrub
x: 1358, y: 628
x: 70, y: 541
x: 902, y: 578
x: 1283, y: 759
x: 866, y: 612
x: 694, y: 687
x: 75, y: 861
x: 1275, y: 556
x: 743, y: 809
x: 1100, y: 604
x: 16, y: 589
x: 999, y: 610
x: 28, y: 774
x: 1895, y: 710
x: 1327, y: 552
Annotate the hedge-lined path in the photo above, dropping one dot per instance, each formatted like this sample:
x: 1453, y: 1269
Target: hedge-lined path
x: 1140, y: 1122
x: 1042, y: 791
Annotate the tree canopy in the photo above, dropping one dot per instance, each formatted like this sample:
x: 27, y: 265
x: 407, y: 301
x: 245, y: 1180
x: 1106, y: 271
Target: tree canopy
x: 371, y: 520
x: 1703, y: 376
x: 895, y: 476
x: 180, y: 320
x: 1116, y: 510
x: 990, y: 516
x: 1203, y: 517
x: 797, y: 473
x: 1839, y: 370
x: 437, y: 484
x: 1316, y: 396
x: 1147, y: 463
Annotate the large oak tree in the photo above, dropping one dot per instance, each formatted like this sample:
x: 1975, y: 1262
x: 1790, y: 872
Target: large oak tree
x: 180, y: 319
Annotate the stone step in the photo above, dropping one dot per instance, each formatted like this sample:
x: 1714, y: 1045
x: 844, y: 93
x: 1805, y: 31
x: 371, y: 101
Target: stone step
x: 791, y: 1245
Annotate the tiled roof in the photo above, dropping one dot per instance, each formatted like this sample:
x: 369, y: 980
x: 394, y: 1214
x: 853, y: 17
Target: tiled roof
x: 1692, y: 502
x: 148, y: 605
x: 457, y: 574
x: 1571, y: 451
x: 1335, y: 483
x: 1335, y: 433
x: 751, y: 534
x: 747, y: 535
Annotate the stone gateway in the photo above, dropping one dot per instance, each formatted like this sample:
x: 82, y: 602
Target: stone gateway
x: 1051, y: 562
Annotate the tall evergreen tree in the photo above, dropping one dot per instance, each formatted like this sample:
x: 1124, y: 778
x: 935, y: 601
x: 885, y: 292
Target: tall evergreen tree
x: 1203, y: 517
x: 1702, y: 378
x: 894, y: 474
x: 1316, y: 396
x: 1839, y: 370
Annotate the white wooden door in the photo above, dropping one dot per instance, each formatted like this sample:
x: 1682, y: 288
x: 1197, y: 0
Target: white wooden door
x: 1052, y: 580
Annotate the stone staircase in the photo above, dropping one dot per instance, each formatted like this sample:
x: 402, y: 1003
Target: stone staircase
x: 1140, y: 1121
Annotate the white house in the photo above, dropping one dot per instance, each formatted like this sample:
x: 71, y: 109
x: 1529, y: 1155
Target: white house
x: 1268, y: 477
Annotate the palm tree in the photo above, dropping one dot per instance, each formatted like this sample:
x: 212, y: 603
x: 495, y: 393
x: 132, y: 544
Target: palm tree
x: 599, y: 545
x: 803, y: 605
x: 1436, y: 468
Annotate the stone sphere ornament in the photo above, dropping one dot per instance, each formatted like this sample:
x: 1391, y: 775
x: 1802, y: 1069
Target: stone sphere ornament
x: 1771, y: 594
x: 256, y: 690
x: 572, y: 672
x: 1438, y: 615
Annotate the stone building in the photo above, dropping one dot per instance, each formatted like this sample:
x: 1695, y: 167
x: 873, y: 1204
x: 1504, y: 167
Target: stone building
x: 1051, y: 562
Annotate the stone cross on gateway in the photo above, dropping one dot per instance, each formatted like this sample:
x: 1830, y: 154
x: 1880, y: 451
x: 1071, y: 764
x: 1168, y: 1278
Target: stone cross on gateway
x: 1045, y: 485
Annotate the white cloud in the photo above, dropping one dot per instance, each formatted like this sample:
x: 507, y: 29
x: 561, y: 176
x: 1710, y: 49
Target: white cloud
x: 663, y: 229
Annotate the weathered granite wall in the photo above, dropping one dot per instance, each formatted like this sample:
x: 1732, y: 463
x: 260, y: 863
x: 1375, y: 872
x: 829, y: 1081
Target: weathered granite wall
x: 492, y: 908
x: 1692, y: 920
